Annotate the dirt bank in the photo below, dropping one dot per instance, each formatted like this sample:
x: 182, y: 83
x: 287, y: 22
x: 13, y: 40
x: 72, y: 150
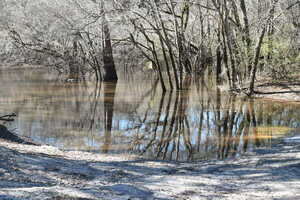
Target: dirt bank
x: 44, y: 172
x: 285, y: 91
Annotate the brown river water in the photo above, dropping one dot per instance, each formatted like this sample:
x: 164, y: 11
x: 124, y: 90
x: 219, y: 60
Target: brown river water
x: 134, y: 116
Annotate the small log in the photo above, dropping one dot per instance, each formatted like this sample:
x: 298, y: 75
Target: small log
x: 12, y: 137
x: 8, y: 118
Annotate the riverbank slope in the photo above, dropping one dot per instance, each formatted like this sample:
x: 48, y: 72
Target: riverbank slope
x: 45, y: 172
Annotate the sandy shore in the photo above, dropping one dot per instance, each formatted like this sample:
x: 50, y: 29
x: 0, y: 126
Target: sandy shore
x: 284, y: 91
x: 45, y: 172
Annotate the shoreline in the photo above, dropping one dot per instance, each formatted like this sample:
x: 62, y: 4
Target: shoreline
x: 46, y: 172
x: 281, y: 91
x: 286, y: 91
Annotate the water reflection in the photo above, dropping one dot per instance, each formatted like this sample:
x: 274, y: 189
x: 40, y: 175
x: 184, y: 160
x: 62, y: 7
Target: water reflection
x: 134, y: 116
x: 109, y: 90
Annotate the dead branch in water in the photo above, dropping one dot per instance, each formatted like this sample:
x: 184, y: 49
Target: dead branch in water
x: 8, y: 118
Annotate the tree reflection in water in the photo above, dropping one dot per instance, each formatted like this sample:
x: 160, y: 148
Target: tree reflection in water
x: 221, y: 127
x: 135, y: 116
x: 109, y: 90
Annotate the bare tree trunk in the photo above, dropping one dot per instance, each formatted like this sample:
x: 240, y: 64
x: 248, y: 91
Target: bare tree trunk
x: 246, y: 35
x: 110, y: 73
x: 179, y: 44
x: 219, y: 60
x: 256, y: 58
x: 258, y: 48
x: 170, y: 50
x: 246, y: 31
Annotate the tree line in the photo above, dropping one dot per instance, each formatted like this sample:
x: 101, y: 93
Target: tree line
x: 233, y: 40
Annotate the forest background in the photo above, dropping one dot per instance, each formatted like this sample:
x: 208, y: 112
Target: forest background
x: 233, y: 40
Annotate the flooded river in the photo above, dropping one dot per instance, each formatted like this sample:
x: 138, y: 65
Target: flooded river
x: 134, y: 116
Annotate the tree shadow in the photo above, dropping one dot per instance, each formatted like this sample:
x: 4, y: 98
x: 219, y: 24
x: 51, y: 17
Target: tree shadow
x: 34, y: 170
x: 131, y: 178
x: 8, y: 197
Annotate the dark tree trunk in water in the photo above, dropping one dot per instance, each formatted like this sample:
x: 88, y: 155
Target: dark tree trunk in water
x: 110, y: 73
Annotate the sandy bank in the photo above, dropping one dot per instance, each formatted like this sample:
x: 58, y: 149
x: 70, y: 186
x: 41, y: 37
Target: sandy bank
x: 44, y: 172
x: 284, y: 91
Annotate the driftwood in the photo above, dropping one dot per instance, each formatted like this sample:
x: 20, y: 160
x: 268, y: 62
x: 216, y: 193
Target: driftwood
x: 8, y: 118
x: 12, y: 137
